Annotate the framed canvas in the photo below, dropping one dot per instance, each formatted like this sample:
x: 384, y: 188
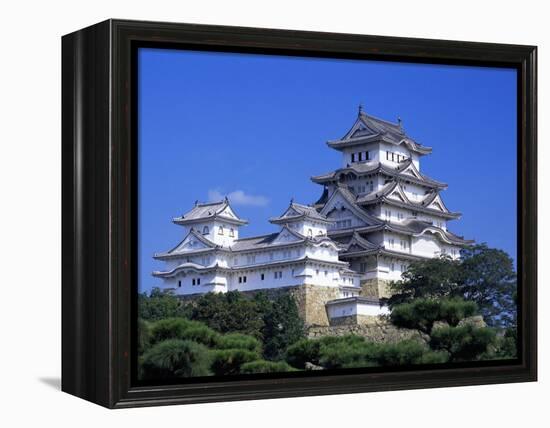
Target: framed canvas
x: 254, y: 213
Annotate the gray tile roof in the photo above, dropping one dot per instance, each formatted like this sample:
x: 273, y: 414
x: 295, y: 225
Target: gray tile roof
x: 208, y: 211
x: 381, y: 130
x: 300, y: 211
x: 365, y: 168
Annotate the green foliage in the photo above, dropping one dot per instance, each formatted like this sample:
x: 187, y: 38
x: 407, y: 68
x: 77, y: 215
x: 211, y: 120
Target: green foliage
x: 144, y: 335
x: 282, y: 324
x: 175, y: 358
x: 351, y: 351
x: 228, y: 361
x: 159, y: 305
x: 303, y: 351
x: 483, y: 275
x: 408, y: 352
x: 239, y: 341
x: 505, y: 346
x: 422, y: 313
x: 463, y: 343
x: 228, y: 312
x: 263, y: 366
x: 354, y: 351
x: 181, y: 328
x: 489, y: 280
x: 425, y: 279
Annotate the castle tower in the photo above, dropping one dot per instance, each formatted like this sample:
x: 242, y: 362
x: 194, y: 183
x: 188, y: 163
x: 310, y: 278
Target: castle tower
x: 383, y: 209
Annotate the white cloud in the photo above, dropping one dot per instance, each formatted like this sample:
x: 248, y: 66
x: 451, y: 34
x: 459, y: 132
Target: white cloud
x: 238, y: 197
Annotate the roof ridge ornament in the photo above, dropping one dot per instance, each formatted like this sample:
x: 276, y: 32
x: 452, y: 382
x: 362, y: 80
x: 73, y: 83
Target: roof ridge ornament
x: 359, y: 109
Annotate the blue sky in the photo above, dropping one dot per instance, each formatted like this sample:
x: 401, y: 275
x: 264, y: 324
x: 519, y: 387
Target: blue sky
x: 255, y: 127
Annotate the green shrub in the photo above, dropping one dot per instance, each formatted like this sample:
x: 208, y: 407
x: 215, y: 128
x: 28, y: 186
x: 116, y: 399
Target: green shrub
x: 202, y: 334
x: 229, y: 361
x: 181, y: 328
x: 421, y: 314
x: 402, y: 353
x: 175, y: 358
x: 239, y: 341
x: 454, y: 310
x: 464, y: 343
x: 303, y: 351
x: 349, y: 353
x: 263, y: 366
x: 144, y: 335
x: 169, y: 328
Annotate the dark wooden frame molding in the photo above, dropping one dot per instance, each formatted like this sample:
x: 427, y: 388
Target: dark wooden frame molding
x: 99, y: 209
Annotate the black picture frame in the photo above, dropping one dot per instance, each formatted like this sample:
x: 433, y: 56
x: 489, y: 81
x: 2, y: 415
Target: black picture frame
x: 99, y: 173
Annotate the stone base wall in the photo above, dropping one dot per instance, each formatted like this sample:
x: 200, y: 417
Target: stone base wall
x: 375, y: 329
x: 353, y: 320
x: 375, y: 287
x: 311, y: 300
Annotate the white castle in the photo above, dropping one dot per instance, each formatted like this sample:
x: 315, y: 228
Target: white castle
x: 377, y: 213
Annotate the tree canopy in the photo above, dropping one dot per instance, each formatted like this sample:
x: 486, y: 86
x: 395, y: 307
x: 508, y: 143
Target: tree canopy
x: 482, y: 275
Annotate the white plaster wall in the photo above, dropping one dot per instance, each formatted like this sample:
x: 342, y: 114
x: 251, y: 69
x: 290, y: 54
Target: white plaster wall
x: 426, y: 245
x: 401, y: 150
x: 372, y: 148
x: 355, y: 308
x: 304, y: 227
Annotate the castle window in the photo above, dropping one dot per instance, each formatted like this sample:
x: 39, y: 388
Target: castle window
x: 244, y: 278
x: 198, y: 281
x: 194, y: 281
x: 387, y: 155
x: 262, y: 276
x: 403, y: 268
x: 360, y: 156
x: 205, y: 230
x: 362, y: 267
x: 392, y: 267
x: 367, y: 156
x: 392, y: 157
x: 220, y: 230
x: 240, y: 279
x: 353, y: 157
x: 231, y: 233
x: 179, y: 283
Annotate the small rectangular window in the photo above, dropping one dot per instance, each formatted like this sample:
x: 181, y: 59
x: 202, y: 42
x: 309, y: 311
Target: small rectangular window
x: 387, y: 155
x: 194, y: 282
x: 352, y: 157
x: 262, y: 276
x: 360, y: 156
x: 244, y: 278
x: 240, y: 279
x: 198, y: 281
x: 179, y: 283
x: 367, y: 156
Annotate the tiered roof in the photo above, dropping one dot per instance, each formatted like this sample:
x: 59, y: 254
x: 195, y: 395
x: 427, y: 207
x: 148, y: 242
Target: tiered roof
x: 369, y: 129
x: 297, y: 212
x: 405, y: 171
x: 384, y: 194
x: 210, y: 211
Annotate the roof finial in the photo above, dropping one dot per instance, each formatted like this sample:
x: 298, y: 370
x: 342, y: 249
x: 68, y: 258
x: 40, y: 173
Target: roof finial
x: 196, y: 202
x: 291, y: 200
x: 226, y: 199
x: 360, y: 108
x: 399, y: 122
